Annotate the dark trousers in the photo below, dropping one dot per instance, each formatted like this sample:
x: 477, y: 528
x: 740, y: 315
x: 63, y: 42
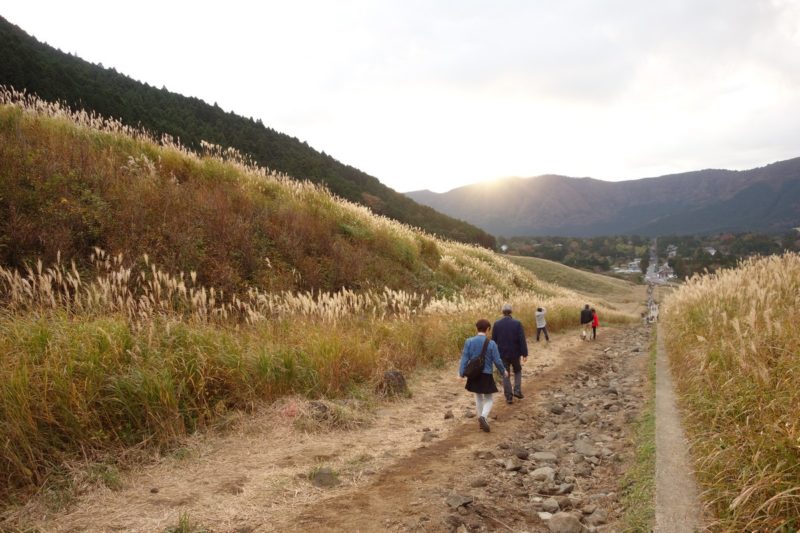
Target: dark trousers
x: 539, y: 331
x: 512, y: 364
x: 594, y: 332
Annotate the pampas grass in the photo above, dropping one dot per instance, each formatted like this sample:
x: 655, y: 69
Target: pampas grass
x: 735, y: 347
x: 102, y: 353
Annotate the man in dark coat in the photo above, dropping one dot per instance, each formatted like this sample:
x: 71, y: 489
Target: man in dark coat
x: 509, y: 335
x: 586, y: 322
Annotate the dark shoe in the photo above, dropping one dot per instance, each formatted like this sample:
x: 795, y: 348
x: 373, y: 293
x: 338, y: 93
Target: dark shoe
x: 509, y: 400
x: 484, y: 424
x: 519, y: 395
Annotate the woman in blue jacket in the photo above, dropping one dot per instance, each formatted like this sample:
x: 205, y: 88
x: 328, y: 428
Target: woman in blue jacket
x: 484, y: 386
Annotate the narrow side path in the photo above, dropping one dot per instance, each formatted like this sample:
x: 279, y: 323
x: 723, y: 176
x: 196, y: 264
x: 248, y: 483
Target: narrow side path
x: 678, y: 506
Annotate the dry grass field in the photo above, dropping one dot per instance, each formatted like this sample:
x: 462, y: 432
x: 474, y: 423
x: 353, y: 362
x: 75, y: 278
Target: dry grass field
x: 574, y: 279
x: 735, y: 349
x: 223, y: 285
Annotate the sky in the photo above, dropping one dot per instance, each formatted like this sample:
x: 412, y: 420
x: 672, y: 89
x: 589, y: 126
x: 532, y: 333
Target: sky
x: 439, y: 94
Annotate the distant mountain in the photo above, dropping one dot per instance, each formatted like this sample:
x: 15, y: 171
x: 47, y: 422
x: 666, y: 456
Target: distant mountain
x: 53, y: 75
x: 707, y: 201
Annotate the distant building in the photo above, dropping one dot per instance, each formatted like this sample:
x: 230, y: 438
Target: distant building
x: 666, y: 272
x: 630, y: 268
x: 710, y: 250
x: 672, y: 250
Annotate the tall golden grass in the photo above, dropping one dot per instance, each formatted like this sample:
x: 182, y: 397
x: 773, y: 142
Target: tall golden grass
x: 103, y: 353
x: 734, y: 344
x: 74, y: 181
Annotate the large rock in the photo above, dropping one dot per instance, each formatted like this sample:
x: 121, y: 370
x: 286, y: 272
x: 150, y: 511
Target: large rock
x: 544, y: 473
x: 512, y: 464
x: 393, y: 384
x: 456, y: 500
x: 597, y: 518
x: 522, y: 453
x: 586, y: 448
x: 550, y: 505
x: 565, y: 488
x: 565, y: 523
x: 545, y: 457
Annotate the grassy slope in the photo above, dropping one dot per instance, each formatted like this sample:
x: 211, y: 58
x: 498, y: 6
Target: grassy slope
x: 66, y: 188
x: 587, y: 283
x: 118, y: 353
x: 53, y: 75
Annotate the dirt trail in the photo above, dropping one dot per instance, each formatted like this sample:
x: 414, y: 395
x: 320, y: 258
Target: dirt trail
x: 562, y: 448
x: 678, y: 507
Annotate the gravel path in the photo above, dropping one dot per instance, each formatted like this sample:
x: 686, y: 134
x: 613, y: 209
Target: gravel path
x: 678, y: 506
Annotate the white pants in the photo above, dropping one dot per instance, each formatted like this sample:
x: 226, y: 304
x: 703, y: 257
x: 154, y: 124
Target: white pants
x: 483, y: 403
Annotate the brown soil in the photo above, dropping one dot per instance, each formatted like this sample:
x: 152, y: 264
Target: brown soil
x: 398, y: 472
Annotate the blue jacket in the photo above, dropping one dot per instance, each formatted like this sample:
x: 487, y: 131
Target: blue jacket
x: 510, y: 338
x: 472, y: 350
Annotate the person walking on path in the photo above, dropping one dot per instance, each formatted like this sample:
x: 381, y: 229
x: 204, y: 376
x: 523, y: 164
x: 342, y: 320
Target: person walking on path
x: 483, y: 386
x: 509, y: 335
x: 586, y: 321
x: 541, y: 324
x: 595, y: 324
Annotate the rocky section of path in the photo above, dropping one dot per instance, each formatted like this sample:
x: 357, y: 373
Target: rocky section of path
x: 562, y: 472
x: 553, y: 462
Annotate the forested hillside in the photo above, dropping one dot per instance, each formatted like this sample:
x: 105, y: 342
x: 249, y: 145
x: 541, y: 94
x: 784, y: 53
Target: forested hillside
x: 764, y: 199
x: 53, y: 75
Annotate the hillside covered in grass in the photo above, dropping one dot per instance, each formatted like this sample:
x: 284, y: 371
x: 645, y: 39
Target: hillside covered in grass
x: 734, y: 345
x: 68, y: 188
x: 53, y: 75
x: 146, y: 290
x: 572, y: 278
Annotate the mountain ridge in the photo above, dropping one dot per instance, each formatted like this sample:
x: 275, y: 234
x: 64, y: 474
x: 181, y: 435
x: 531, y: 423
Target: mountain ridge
x: 765, y: 198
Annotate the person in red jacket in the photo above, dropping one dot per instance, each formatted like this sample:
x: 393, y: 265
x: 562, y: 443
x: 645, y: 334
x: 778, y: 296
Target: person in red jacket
x: 595, y: 323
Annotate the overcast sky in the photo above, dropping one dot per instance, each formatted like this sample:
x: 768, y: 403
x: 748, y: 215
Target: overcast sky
x: 435, y: 95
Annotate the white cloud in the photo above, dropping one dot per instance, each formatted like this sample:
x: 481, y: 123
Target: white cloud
x: 438, y: 94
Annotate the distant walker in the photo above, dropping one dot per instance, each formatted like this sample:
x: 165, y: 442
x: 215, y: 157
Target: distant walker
x: 586, y: 321
x: 541, y: 324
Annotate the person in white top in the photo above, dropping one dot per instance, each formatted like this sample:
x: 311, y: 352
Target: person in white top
x: 541, y: 324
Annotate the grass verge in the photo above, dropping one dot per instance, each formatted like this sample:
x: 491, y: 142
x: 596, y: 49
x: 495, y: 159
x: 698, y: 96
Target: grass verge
x: 639, y: 484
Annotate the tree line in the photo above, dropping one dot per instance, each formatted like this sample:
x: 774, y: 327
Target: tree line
x: 600, y: 254
x: 693, y: 254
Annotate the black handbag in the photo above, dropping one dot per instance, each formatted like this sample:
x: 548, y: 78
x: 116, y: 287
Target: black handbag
x: 475, y: 366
